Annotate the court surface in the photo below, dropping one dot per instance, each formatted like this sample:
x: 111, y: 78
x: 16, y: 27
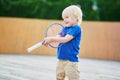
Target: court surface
x: 37, y: 67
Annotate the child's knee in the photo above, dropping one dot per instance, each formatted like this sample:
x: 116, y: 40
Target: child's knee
x: 61, y: 76
x: 72, y: 71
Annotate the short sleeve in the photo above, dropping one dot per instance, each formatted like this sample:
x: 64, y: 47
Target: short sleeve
x: 74, y: 31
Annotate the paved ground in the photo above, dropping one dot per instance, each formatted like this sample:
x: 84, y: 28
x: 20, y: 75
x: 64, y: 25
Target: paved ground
x: 36, y: 67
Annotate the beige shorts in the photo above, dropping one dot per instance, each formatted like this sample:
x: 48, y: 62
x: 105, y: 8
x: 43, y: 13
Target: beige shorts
x: 67, y: 69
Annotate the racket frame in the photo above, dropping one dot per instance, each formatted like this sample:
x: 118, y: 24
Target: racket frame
x: 58, y: 32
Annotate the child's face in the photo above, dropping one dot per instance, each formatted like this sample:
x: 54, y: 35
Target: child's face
x: 70, y: 21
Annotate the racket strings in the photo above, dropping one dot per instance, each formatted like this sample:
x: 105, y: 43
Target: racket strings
x: 53, y: 31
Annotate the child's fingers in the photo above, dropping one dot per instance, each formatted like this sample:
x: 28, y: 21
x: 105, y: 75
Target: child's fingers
x: 45, y: 44
x: 47, y: 40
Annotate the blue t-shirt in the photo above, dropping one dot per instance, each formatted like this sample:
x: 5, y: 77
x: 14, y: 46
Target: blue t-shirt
x: 70, y: 50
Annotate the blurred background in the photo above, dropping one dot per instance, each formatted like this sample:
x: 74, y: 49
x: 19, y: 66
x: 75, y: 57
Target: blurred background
x: 23, y: 23
x: 95, y: 10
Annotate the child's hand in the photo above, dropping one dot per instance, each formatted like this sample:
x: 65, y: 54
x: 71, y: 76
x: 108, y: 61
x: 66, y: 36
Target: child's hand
x: 47, y: 40
x: 45, y: 44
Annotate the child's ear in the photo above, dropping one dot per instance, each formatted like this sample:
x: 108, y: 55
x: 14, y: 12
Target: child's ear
x: 77, y: 20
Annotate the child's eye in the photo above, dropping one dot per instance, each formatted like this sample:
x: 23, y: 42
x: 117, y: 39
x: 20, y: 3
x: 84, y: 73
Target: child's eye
x: 66, y: 17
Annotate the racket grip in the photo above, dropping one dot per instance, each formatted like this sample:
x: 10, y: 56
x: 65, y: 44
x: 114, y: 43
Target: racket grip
x: 34, y: 46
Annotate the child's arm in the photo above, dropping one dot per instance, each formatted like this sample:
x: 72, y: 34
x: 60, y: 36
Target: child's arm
x: 59, y: 39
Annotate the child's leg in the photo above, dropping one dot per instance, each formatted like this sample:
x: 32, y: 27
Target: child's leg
x: 60, y: 73
x: 72, y: 71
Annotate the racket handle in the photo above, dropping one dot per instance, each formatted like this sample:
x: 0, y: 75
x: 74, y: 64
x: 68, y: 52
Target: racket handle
x: 34, y: 46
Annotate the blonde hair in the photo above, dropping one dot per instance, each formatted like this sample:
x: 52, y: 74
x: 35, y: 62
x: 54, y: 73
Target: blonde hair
x: 74, y: 11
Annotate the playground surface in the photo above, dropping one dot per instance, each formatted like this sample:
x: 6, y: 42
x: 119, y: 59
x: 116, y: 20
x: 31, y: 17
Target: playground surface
x: 37, y: 67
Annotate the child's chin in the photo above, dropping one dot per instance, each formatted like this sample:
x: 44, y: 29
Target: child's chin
x: 68, y: 25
